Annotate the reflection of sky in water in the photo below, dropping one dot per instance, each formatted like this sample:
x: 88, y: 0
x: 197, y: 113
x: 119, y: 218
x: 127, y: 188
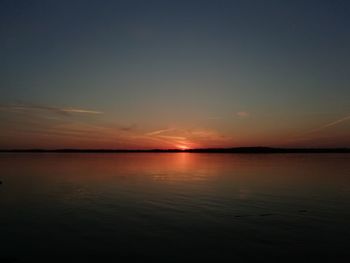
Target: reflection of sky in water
x: 228, y: 204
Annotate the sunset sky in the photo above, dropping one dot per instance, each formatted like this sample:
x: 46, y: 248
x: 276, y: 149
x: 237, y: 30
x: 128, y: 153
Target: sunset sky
x: 174, y: 74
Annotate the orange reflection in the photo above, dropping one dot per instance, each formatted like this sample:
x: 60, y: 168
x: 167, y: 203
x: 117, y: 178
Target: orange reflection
x: 86, y: 176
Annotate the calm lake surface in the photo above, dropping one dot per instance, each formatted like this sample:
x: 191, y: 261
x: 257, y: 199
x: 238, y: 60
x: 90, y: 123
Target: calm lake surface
x: 174, y: 207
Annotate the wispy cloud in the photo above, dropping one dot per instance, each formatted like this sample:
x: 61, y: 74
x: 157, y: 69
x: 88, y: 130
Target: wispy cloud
x: 77, y: 110
x: 313, y: 134
x: 191, y: 138
x: 128, y: 128
x: 333, y: 123
x: 52, y: 109
x: 242, y: 114
x: 171, y: 137
x: 158, y: 132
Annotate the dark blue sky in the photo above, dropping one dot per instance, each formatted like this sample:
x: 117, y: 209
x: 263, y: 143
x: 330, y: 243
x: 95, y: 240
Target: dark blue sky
x: 201, y: 73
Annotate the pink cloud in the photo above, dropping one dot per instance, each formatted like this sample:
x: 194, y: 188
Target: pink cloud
x: 243, y: 114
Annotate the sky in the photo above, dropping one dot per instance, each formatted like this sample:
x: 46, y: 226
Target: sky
x: 174, y: 74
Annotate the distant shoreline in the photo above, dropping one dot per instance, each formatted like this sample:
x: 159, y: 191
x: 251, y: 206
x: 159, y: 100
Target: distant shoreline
x: 246, y: 150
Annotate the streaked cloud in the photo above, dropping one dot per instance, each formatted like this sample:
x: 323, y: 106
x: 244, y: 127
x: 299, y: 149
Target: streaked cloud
x: 77, y: 110
x: 52, y: 109
x: 328, y: 125
x: 189, y: 138
x: 314, y: 135
x: 177, y: 138
x: 157, y: 132
x: 331, y: 124
x: 243, y: 114
x: 128, y: 128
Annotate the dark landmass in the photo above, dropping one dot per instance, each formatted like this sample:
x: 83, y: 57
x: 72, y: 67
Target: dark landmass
x: 251, y: 150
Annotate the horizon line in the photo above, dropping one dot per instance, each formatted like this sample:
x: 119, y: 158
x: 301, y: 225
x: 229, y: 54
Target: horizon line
x: 248, y: 149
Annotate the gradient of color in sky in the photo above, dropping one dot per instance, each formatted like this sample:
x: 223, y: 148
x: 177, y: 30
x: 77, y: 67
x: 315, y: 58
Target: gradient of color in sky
x: 174, y: 74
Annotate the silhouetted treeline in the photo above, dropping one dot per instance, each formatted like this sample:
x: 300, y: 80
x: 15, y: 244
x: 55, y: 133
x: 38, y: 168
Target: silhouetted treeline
x: 199, y: 150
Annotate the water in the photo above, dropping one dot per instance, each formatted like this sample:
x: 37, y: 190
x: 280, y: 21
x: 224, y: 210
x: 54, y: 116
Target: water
x: 174, y: 207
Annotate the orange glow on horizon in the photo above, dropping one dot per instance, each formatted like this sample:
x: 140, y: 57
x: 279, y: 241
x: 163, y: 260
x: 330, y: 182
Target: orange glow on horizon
x: 182, y: 147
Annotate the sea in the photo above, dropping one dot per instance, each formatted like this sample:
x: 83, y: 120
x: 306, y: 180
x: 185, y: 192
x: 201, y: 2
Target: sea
x: 174, y: 207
